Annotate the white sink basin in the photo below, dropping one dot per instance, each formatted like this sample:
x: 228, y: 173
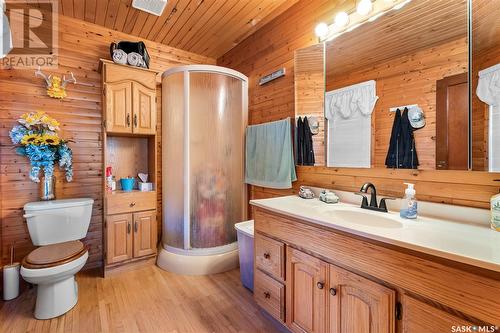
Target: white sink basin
x: 366, y: 218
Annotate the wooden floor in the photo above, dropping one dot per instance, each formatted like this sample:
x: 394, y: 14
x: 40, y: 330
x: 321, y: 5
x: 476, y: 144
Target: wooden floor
x: 146, y: 300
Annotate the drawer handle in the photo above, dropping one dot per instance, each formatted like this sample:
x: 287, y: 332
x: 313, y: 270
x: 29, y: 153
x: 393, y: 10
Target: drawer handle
x: 135, y: 227
x: 267, y: 294
x: 267, y: 255
x: 132, y: 204
x: 128, y: 228
x: 320, y: 285
x: 128, y: 119
x: 333, y: 291
x: 135, y: 120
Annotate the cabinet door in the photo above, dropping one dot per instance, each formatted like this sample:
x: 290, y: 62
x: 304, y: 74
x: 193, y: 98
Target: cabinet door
x: 422, y: 317
x: 306, y: 292
x: 119, y: 107
x: 144, y: 233
x: 358, y: 305
x: 119, y: 238
x: 144, y: 109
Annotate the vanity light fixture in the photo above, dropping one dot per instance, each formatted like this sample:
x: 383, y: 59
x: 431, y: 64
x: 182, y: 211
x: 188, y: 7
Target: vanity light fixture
x: 341, y: 19
x: 321, y: 30
x: 366, y: 11
x: 364, y: 7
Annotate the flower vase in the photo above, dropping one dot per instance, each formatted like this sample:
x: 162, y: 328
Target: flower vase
x: 47, y: 188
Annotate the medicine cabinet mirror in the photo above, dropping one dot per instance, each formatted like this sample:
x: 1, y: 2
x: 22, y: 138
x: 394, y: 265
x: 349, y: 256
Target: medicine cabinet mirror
x: 408, y: 75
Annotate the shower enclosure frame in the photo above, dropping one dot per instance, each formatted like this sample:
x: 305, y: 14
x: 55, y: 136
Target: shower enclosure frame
x: 189, y: 260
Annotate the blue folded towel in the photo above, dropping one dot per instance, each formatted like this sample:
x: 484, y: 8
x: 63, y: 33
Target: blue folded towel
x: 269, y: 155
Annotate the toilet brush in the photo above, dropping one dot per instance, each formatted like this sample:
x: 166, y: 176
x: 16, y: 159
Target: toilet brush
x: 11, y: 278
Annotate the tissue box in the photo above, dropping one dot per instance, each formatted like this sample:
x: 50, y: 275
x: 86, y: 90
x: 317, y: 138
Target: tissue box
x: 145, y: 187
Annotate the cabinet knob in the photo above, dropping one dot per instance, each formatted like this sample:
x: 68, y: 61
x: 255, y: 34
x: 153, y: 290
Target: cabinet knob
x: 333, y: 291
x: 320, y: 285
x: 132, y: 204
x: 267, y: 255
x: 128, y: 120
x: 267, y: 294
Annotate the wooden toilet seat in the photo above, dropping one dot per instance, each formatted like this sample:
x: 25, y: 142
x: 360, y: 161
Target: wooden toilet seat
x: 54, y: 254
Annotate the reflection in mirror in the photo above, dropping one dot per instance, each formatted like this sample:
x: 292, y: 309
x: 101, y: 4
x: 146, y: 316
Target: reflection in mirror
x: 309, y: 92
x: 415, y: 57
x: 384, y: 77
x: 486, y: 85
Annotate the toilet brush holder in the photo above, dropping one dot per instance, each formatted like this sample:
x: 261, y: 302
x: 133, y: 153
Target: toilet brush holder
x: 11, y: 278
x: 11, y: 281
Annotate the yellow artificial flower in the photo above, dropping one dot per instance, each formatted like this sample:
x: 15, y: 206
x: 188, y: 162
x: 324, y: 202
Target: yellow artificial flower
x: 50, y: 139
x: 50, y: 122
x: 31, y: 139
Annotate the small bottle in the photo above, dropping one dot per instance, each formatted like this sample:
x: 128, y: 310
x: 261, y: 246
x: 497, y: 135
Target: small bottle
x: 409, y: 205
x: 495, y: 212
x: 109, y: 179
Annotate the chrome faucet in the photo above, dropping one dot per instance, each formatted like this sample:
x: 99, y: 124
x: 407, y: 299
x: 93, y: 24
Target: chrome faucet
x: 373, y: 198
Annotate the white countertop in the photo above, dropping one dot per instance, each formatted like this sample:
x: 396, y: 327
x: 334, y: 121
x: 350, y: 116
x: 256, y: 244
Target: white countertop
x: 474, y: 244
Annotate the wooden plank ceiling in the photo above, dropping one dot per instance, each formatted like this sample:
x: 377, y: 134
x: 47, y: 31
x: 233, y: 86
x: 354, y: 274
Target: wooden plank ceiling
x: 419, y: 25
x: 485, y: 24
x: 205, y: 27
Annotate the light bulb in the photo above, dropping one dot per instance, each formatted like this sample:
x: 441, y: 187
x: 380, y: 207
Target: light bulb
x: 364, y: 7
x: 341, y: 19
x: 321, y: 30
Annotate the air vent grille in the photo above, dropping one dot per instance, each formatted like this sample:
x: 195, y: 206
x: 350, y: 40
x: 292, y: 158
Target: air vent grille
x: 154, y: 7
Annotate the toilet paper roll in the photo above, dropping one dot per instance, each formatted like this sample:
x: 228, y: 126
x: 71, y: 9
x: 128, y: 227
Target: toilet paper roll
x: 11, y: 281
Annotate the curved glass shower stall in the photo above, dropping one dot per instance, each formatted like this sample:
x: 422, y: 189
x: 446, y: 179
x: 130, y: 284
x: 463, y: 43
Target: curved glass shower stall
x: 204, y: 116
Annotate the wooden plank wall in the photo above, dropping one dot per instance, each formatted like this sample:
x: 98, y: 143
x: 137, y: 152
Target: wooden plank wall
x: 310, y: 92
x: 273, y: 47
x: 81, y: 46
x: 410, y: 79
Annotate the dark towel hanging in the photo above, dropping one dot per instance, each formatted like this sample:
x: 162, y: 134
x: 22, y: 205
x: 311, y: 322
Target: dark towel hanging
x: 300, y: 141
x: 402, y: 152
x: 308, y: 144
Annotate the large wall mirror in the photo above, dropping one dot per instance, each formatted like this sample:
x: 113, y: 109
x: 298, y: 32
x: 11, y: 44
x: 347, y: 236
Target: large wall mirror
x: 400, y: 91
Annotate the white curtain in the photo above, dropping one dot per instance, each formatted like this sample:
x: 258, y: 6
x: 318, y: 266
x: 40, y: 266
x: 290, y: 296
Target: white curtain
x: 488, y: 91
x: 348, y: 112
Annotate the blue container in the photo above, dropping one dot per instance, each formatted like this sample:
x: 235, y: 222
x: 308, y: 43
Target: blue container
x: 127, y: 184
x: 245, y: 243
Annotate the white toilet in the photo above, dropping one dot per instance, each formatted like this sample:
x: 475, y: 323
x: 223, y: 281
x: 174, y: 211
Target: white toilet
x: 56, y: 227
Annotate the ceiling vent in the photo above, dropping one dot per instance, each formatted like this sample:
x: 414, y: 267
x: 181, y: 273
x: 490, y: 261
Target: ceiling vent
x: 154, y: 7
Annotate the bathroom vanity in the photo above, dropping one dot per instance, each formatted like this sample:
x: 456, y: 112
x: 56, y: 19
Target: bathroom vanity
x: 337, y: 268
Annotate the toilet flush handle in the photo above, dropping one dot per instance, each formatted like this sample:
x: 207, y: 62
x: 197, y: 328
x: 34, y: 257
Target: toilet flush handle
x: 27, y: 216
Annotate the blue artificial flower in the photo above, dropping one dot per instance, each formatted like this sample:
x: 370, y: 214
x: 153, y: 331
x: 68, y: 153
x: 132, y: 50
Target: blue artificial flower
x: 17, y: 133
x: 42, y: 156
x: 66, y: 160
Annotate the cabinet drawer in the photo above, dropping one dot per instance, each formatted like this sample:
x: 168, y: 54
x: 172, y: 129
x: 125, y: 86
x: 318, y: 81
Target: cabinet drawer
x: 270, y: 295
x: 270, y: 256
x: 128, y: 202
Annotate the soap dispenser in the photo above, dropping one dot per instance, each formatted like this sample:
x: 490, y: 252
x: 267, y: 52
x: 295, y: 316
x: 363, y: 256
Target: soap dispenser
x: 409, y: 205
x: 495, y: 212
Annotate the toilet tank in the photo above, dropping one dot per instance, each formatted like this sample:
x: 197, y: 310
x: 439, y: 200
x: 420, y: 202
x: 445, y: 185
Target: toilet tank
x: 58, y: 221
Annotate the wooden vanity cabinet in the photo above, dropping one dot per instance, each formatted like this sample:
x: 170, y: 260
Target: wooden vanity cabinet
x: 340, y: 283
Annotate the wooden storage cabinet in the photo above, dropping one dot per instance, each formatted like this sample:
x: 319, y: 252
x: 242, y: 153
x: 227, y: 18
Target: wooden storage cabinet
x: 270, y: 295
x: 130, y: 236
x: 269, y: 256
x: 130, y: 147
x: 119, y: 238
